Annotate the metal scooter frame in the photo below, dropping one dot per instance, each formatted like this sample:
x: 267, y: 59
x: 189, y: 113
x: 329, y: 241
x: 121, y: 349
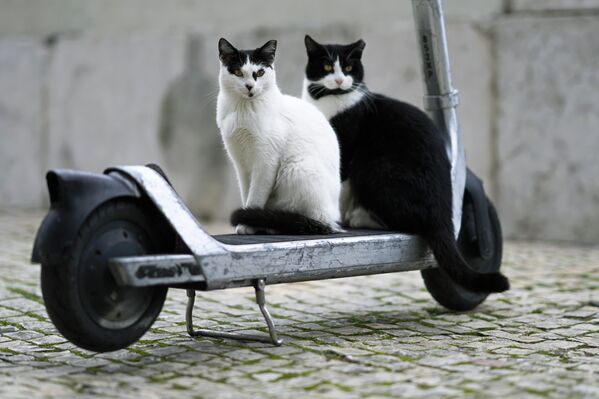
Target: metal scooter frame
x: 272, y: 338
x: 440, y: 97
x: 215, y: 265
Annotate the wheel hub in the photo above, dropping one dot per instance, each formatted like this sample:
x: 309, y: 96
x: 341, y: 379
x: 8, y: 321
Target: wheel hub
x: 110, y: 305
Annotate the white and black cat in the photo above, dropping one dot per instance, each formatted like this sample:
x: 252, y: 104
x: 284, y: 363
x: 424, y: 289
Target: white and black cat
x: 285, y: 152
x: 394, y: 167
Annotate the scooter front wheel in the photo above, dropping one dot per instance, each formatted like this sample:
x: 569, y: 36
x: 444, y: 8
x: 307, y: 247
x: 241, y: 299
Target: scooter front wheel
x: 81, y: 296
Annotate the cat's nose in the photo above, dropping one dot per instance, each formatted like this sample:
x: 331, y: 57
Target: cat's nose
x: 249, y: 87
x: 339, y: 81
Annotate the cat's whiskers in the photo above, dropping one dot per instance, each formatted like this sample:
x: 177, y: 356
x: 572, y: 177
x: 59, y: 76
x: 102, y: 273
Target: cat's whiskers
x: 318, y: 90
x: 368, y: 97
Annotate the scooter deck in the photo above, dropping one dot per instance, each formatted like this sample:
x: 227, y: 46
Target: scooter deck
x: 224, y: 261
x: 278, y: 259
x: 237, y: 239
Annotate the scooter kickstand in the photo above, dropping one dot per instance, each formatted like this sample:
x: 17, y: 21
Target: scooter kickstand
x: 273, y: 338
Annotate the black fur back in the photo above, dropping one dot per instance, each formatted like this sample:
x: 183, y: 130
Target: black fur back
x: 394, y: 157
x: 396, y: 161
x: 283, y: 222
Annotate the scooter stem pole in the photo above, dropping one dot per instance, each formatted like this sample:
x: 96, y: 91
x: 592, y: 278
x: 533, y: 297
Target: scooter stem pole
x: 440, y: 97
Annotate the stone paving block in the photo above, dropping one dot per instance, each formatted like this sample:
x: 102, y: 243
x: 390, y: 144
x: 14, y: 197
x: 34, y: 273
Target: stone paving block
x: 537, y: 340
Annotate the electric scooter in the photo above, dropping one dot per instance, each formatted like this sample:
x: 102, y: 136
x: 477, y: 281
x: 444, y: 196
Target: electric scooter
x: 113, y: 243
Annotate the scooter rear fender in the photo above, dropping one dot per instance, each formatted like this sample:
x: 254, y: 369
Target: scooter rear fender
x: 73, y: 196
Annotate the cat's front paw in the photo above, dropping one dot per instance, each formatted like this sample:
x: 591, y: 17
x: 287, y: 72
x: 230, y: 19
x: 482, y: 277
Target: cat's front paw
x: 345, y: 218
x: 244, y: 229
x: 361, y: 218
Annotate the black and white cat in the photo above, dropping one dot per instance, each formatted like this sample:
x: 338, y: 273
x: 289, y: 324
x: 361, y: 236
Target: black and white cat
x: 285, y: 152
x: 394, y: 167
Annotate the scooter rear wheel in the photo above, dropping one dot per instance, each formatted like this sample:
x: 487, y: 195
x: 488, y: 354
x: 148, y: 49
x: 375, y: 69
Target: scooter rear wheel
x: 446, y: 292
x: 81, y: 296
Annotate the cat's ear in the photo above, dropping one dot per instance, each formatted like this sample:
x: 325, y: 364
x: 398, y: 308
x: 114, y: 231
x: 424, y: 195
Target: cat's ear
x: 226, y: 51
x: 267, y: 52
x: 312, y: 45
x: 355, y: 49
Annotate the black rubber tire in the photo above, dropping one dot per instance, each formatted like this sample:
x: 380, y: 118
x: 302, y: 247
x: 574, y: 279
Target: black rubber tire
x: 81, y: 296
x: 451, y: 295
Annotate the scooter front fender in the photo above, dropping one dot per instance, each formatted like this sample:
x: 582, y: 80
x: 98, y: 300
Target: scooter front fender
x: 73, y: 196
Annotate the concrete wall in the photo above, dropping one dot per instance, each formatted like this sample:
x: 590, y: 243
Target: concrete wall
x: 23, y: 70
x: 91, y: 84
x: 548, y: 127
x: 553, y: 5
x: 72, y: 16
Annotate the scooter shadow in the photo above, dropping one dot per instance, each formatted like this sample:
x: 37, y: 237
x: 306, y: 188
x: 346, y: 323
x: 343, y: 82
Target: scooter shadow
x: 323, y: 333
x: 335, y: 328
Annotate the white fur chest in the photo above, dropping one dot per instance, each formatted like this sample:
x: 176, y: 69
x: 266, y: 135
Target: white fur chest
x: 334, y: 104
x: 250, y: 136
x: 241, y: 139
x: 235, y: 117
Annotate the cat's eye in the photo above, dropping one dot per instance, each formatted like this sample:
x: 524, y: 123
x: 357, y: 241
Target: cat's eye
x: 238, y: 72
x: 348, y: 68
x: 260, y: 72
x: 328, y: 67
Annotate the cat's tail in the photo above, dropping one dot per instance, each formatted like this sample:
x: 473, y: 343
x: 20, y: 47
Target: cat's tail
x: 448, y: 257
x: 282, y: 222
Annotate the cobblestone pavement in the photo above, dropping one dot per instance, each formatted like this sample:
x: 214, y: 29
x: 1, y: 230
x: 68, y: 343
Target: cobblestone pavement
x: 365, y: 337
